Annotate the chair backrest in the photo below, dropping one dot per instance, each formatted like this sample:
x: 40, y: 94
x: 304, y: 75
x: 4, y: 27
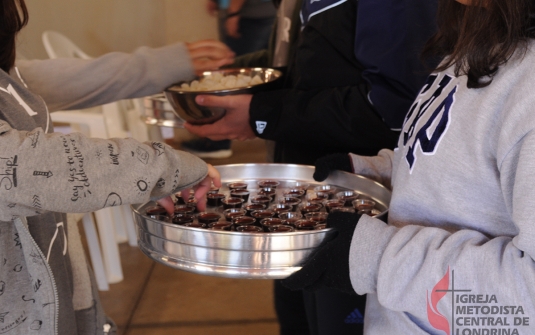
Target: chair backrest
x: 58, y: 45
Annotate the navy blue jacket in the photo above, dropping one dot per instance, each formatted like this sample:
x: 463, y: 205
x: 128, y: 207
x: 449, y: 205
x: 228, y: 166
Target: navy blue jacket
x: 354, y: 75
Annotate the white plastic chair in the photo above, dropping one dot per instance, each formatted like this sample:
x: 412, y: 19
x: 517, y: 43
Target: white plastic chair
x: 121, y: 118
x: 58, y: 45
x: 105, y: 121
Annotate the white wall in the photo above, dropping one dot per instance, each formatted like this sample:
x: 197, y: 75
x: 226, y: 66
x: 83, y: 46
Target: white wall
x: 100, y: 26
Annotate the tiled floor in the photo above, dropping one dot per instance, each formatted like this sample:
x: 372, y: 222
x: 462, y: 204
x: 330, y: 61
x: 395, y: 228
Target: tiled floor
x: 158, y: 300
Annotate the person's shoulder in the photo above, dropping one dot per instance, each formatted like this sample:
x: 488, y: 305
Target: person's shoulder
x: 513, y: 87
x: 524, y: 56
x: 519, y: 67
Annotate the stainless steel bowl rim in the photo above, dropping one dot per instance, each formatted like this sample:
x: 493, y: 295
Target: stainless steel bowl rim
x: 176, y: 88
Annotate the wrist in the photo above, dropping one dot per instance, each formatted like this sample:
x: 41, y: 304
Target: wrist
x: 368, y: 245
x: 265, y: 107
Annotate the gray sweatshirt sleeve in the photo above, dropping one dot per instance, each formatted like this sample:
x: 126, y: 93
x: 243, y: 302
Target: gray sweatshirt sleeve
x: 400, y: 264
x: 378, y: 168
x: 72, y: 83
x: 72, y: 173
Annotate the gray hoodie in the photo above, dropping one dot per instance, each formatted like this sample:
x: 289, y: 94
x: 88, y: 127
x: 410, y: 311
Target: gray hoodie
x: 457, y: 255
x: 43, y: 287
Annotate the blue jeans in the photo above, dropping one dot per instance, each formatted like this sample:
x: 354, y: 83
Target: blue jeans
x: 254, y: 35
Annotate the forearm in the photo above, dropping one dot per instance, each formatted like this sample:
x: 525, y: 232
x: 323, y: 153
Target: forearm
x: 73, y: 173
x: 332, y: 117
x: 235, y: 6
x: 401, y: 264
x: 70, y: 83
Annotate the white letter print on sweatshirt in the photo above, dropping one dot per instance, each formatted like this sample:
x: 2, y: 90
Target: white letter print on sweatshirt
x: 10, y: 90
x: 425, y: 126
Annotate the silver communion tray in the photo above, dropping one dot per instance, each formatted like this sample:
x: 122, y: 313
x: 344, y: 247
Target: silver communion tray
x: 247, y: 255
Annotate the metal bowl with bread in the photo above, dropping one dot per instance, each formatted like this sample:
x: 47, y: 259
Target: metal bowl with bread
x: 181, y: 96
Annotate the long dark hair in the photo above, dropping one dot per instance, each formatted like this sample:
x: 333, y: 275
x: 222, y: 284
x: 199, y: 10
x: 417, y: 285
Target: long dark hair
x: 13, y: 16
x: 477, y: 39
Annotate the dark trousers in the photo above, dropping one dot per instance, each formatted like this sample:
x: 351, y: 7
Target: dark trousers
x: 254, y: 34
x: 322, y: 312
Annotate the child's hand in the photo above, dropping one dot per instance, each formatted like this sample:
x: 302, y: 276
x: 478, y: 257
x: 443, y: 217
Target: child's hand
x: 201, y: 189
x: 209, y: 55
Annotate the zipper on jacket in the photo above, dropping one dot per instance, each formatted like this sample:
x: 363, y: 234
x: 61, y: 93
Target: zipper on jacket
x: 24, y: 223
